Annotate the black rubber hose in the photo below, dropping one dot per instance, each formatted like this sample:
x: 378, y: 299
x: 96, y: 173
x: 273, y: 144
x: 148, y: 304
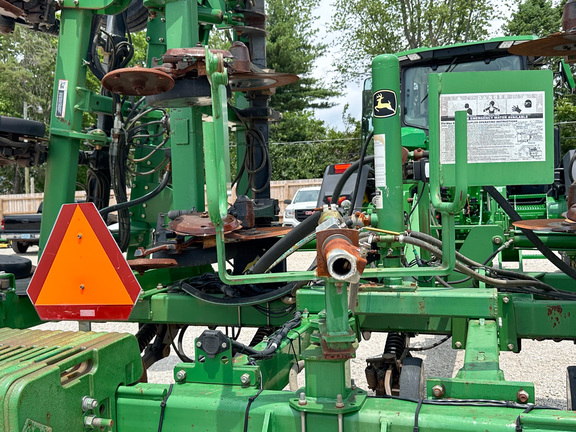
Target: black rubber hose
x: 294, y: 236
x: 121, y: 206
x: 539, y: 244
x: 346, y: 175
x: 274, y: 341
x: 358, y: 177
x: 146, y: 334
x: 237, y: 301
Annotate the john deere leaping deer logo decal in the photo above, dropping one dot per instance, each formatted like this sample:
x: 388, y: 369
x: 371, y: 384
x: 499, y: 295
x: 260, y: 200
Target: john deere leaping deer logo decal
x: 385, y: 103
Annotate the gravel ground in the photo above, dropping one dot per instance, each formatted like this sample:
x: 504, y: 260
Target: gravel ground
x: 548, y: 374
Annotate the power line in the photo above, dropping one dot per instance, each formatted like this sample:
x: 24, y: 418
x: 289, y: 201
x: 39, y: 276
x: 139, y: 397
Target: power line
x: 314, y: 141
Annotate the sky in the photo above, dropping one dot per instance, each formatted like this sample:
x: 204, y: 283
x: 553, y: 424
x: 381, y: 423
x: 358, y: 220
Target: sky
x: 324, y: 70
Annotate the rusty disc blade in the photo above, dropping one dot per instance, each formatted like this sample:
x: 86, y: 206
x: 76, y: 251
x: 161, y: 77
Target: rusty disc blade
x: 9, y: 10
x: 561, y: 225
x: 200, y: 225
x: 252, y: 81
x: 557, y: 44
x: 140, y: 265
x: 137, y: 81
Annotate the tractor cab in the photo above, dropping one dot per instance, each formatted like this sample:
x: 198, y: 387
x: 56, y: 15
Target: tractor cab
x: 417, y: 64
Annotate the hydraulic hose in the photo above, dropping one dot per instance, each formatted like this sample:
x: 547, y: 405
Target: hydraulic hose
x: 346, y: 175
x: 468, y: 271
x: 464, y: 259
x: 296, y: 234
x: 539, y: 244
x: 237, y: 301
x: 121, y: 206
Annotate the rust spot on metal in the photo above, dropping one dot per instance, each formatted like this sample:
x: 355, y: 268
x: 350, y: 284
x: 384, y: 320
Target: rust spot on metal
x: 140, y: 265
x: 553, y: 309
x: 200, y: 225
x: 137, y: 81
x: 422, y: 306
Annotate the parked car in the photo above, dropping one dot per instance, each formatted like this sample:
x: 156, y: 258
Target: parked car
x: 22, y: 230
x: 301, y: 206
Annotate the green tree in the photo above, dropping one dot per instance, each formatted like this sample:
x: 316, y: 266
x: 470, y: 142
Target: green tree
x: 291, y: 48
x: 27, y: 66
x: 306, y: 151
x: 27, y: 61
x: 368, y: 28
x: 537, y: 17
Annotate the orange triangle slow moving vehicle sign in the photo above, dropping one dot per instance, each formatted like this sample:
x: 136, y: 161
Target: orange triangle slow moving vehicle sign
x: 82, y: 274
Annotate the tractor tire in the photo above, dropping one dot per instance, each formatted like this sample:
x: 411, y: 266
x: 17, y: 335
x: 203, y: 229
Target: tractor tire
x: 412, y: 382
x: 19, y: 247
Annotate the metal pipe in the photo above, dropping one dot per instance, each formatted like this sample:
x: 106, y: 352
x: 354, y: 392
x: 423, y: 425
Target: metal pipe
x: 215, y: 135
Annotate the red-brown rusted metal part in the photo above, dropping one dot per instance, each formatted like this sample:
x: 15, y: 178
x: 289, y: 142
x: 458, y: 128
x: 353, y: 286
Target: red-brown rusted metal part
x: 558, y: 225
x: 200, y: 225
x: 9, y: 10
x: 330, y: 353
x: 140, y: 265
x: 418, y: 154
x: 258, y: 233
x: 248, y: 235
x: 241, y: 56
x: 331, y: 239
x: 137, y: 81
x: 405, y: 154
x: 187, y: 62
x: 253, y: 81
x: 557, y: 44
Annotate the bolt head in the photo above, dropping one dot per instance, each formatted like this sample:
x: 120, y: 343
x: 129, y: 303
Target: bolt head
x: 438, y: 390
x: 522, y: 396
x: 245, y: 379
x: 497, y: 240
x: 199, y: 344
x: 89, y: 403
x: 181, y: 375
x: 458, y: 344
x: 224, y: 345
x: 510, y: 347
x: 506, y: 299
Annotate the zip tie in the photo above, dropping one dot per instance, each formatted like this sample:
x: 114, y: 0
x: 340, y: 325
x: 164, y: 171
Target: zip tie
x: 163, y: 407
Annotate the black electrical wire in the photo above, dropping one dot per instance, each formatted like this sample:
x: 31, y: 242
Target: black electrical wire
x: 539, y: 244
x: 180, y: 350
x: 254, y: 140
x: 358, y: 177
x: 251, y: 399
x: 274, y: 340
x: 416, y: 414
x: 429, y: 347
x: 407, y: 219
x: 125, y: 205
